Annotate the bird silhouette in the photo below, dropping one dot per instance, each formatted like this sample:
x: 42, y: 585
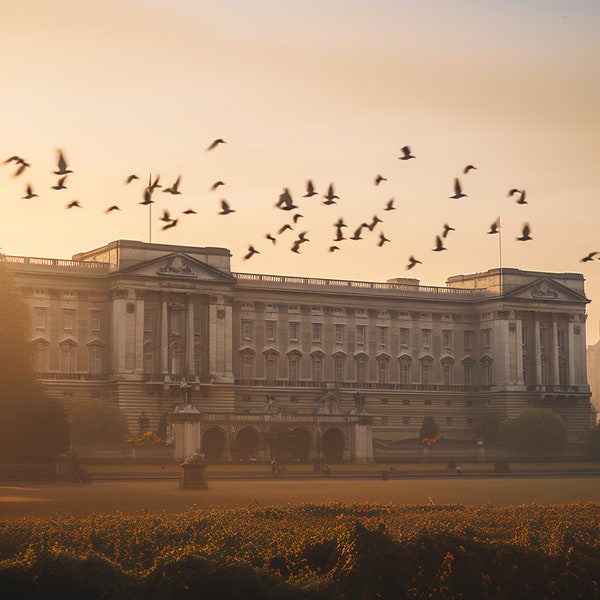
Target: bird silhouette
x: 469, y: 168
x: 521, y: 198
x: 330, y: 195
x: 61, y: 184
x: 333, y: 248
x: 190, y: 211
x: 111, y: 209
x: 525, y: 233
x: 382, y: 240
x: 495, y: 226
x: 285, y: 201
x: 296, y: 247
x: 251, y: 252
x: 439, y: 246
x: 374, y: 222
x: 390, y: 205
x: 23, y: 164
x: 147, y: 196
x: 356, y: 234
x: 284, y: 228
x: 215, y: 143
x: 406, y: 155
x: 458, y: 190
x: 412, y: 261
x: 225, y: 208
x: 302, y: 238
x: 154, y: 184
x: 310, y: 189
x: 173, y: 223
x: 379, y: 179
x: 296, y: 217
x: 62, y: 165
x: 130, y: 179
x: 166, y: 217
x: 589, y: 257
x: 174, y: 189
x: 29, y: 193
x: 270, y: 237
x: 216, y: 184
x: 74, y: 204
x: 447, y: 229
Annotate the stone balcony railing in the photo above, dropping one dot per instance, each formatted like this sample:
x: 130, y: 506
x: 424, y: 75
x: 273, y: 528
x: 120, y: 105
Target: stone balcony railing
x: 56, y: 264
x: 73, y: 376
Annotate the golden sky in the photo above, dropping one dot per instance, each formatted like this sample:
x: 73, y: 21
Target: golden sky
x: 321, y: 90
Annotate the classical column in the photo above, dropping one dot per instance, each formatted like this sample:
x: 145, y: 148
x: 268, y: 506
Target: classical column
x: 537, y: 352
x: 139, y: 331
x: 555, y: 379
x: 164, y: 337
x: 119, y: 330
x: 220, y: 342
x: 190, y: 337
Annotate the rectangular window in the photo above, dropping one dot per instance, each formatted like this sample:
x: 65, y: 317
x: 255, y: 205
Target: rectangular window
x: 339, y: 369
x: 404, y: 372
x: 316, y: 368
x: 270, y: 368
x: 95, y: 360
x: 468, y: 340
x: 425, y: 372
x: 270, y: 330
x: 426, y: 337
x: 543, y: 339
x: 197, y: 326
x: 148, y: 363
x: 467, y: 374
x: 361, y: 368
x: 404, y: 337
x: 360, y: 334
x: 39, y: 317
x: 294, y: 330
x: 382, y: 333
x: 447, y: 339
x: 382, y: 371
x: 317, y: 330
x: 95, y: 320
x: 147, y: 322
x: 40, y: 360
x: 294, y: 367
x: 339, y: 334
x: 175, y: 323
x: 247, y: 330
x: 486, y: 338
x: 68, y: 360
x: 68, y: 321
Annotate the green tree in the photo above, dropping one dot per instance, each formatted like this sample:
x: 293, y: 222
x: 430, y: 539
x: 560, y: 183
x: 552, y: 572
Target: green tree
x: 593, y: 440
x: 95, y: 422
x: 486, y: 426
x: 429, y: 429
x: 538, y: 431
x: 32, y: 427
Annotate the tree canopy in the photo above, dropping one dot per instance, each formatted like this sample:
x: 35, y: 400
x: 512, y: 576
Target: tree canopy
x: 32, y: 427
x: 538, y: 431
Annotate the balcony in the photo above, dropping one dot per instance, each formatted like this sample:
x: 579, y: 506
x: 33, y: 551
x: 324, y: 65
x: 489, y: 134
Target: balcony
x: 73, y: 376
x: 30, y: 263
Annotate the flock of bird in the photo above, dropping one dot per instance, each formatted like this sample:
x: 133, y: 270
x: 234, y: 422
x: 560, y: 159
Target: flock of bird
x: 284, y: 203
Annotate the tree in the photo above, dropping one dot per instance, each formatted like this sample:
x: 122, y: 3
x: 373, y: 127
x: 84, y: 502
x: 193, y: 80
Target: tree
x: 538, y: 431
x: 32, y: 427
x: 429, y: 429
x: 95, y: 422
x: 487, y: 426
x: 593, y: 440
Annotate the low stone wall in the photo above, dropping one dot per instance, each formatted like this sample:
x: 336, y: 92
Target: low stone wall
x: 26, y: 472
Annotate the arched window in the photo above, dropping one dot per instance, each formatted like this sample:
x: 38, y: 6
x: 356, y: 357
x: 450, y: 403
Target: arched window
x: 317, y: 366
x: 468, y: 372
x: 360, y: 363
x: 339, y: 367
x: 294, y: 366
x: 67, y: 358
x: 486, y: 367
x: 426, y: 364
x: 383, y: 369
x: 270, y: 366
x: 447, y: 371
x: 405, y: 363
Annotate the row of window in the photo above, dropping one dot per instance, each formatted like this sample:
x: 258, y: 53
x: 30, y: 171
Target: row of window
x: 361, y: 334
x: 417, y: 421
x: 40, y: 319
x: 68, y: 359
x: 406, y: 369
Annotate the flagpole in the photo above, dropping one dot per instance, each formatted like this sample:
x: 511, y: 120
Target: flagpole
x: 150, y: 213
x: 500, y: 251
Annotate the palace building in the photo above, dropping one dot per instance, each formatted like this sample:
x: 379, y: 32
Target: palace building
x: 272, y: 361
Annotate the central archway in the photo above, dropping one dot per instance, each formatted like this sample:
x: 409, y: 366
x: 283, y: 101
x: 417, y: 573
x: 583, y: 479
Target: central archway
x: 213, y: 444
x: 300, y: 444
x: 333, y: 445
x: 246, y: 444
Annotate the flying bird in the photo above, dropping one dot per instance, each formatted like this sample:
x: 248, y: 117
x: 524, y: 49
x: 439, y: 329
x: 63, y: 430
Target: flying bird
x: 173, y: 223
x: 374, y: 222
x: 270, y: 237
x: 589, y: 257
x: 296, y: 247
x: 174, y: 189
x: 251, y: 252
x: 333, y: 248
x: 379, y: 179
x: 23, y: 164
x: 469, y: 168
x: 147, y: 196
x: 111, y: 209
x: 61, y: 184
x: 62, y: 165
x: 412, y: 261
x: 521, y: 199
x: 284, y: 228
x: 216, y: 184
x: 525, y: 233
x: 215, y: 143
x: 356, y: 234
x: 439, y: 246
x: 190, y: 211
x: 310, y: 189
x: 447, y: 229
x: 458, y: 190
x: 154, y: 184
x: 495, y: 226
x: 130, y: 179
x: 74, y: 204
x: 296, y: 217
x: 29, y: 193
x: 166, y: 217
x: 285, y: 201
x: 330, y: 196
x: 302, y: 237
x: 382, y: 240
x: 406, y: 155
x: 225, y: 209
x: 390, y: 205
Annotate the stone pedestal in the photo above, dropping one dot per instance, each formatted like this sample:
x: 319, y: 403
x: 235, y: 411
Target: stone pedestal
x: 193, y: 473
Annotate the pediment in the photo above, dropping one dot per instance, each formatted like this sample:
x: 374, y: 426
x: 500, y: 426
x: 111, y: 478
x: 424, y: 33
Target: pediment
x: 546, y: 290
x: 180, y: 266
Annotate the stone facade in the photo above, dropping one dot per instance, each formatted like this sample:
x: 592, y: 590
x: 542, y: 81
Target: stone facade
x: 130, y: 320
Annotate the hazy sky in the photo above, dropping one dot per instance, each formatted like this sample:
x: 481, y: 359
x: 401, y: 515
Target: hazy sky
x: 327, y: 90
